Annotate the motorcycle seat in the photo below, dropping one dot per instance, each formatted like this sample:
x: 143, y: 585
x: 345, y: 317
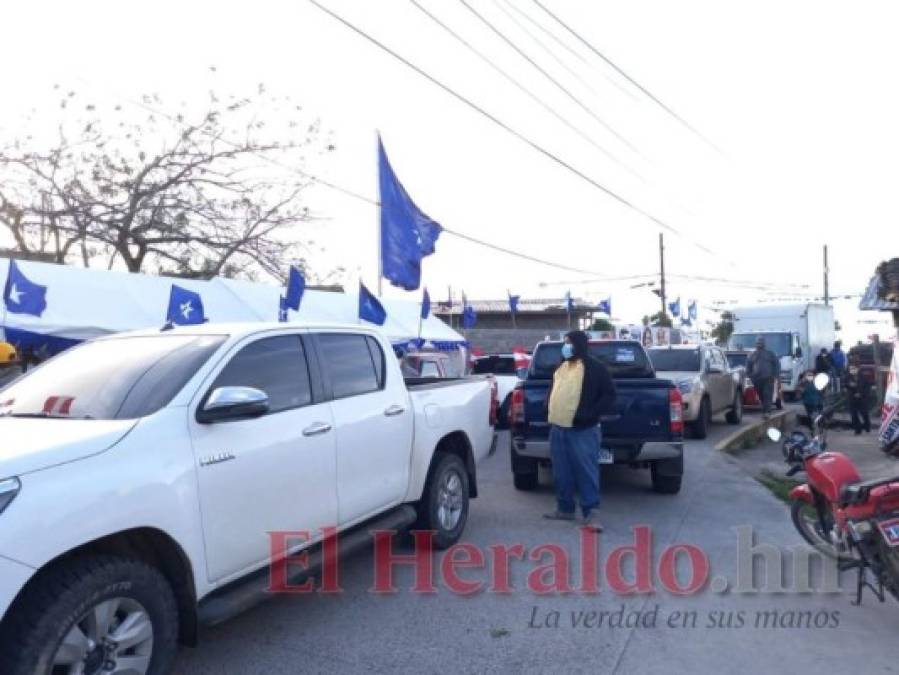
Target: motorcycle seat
x: 858, y: 493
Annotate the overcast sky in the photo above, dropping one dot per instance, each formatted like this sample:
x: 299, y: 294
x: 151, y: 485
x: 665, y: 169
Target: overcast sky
x: 799, y: 96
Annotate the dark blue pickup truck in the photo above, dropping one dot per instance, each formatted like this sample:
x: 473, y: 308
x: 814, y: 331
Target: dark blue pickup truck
x: 645, y: 431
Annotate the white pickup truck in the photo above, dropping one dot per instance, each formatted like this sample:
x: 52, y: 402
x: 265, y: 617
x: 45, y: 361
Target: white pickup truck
x: 141, y: 475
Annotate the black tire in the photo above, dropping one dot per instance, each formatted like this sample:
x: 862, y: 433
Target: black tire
x: 667, y: 475
x: 62, y: 596
x: 444, y: 506
x: 807, y: 523
x: 735, y: 414
x: 525, y: 481
x: 701, y: 426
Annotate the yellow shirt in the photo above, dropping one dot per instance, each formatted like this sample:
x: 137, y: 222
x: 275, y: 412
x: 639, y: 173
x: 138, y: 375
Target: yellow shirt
x: 566, y: 393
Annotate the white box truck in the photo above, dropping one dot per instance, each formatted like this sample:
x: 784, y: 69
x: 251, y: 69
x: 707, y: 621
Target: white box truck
x: 796, y: 333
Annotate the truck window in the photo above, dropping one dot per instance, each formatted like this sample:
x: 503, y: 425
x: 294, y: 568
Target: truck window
x: 347, y: 358
x: 494, y: 365
x: 779, y: 343
x: 275, y: 365
x: 121, y: 378
x: 623, y: 359
x: 429, y: 369
x: 673, y: 360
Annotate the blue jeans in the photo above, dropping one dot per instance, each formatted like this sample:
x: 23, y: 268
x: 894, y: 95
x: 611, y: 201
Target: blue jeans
x: 575, y: 457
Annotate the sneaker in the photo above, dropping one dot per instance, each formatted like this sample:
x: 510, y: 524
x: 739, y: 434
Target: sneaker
x: 590, y: 521
x: 558, y: 515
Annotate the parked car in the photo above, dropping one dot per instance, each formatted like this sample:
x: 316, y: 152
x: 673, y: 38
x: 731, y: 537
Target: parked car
x: 505, y: 371
x: 706, y: 381
x: 142, y: 474
x: 737, y: 361
x: 646, y: 430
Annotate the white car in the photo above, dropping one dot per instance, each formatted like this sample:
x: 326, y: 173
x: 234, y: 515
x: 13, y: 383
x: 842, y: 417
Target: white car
x: 142, y: 474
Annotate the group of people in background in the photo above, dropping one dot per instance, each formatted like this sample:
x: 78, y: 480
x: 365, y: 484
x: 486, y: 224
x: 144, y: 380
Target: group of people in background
x: 845, y: 376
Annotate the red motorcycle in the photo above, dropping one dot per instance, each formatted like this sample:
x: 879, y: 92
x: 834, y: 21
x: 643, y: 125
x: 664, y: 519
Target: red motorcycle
x: 854, y: 521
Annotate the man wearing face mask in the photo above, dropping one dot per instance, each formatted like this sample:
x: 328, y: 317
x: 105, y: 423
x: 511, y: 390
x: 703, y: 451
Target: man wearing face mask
x: 582, y: 390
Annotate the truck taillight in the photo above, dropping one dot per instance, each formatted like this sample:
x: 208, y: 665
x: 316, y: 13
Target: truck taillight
x: 516, y: 407
x: 494, y: 402
x: 676, y: 415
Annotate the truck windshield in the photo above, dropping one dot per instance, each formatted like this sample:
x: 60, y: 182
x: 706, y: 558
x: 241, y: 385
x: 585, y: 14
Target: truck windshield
x: 779, y: 343
x: 738, y: 360
x: 494, y: 365
x: 623, y: 359
x: 121, y: 378
x: 670, y: 360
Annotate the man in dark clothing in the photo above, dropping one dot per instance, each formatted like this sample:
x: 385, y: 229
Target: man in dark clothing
x: 858, y: 394
x: 837, y: 359
x: 581, y: 391
x: 763, y: 367
x: 822, y: 362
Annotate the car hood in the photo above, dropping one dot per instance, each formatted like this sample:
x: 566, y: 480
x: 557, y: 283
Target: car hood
x: 32, y: 444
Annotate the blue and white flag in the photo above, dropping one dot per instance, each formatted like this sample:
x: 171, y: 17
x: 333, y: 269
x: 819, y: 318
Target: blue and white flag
x: 296, y: 286
x: 185, y: 307
x: 425, y: 304
x: 469, y: 316
x: 370, y: 308
x: 675, y: 307
x: 407, y: 234
x: 692, y: 311
x: 21, y: 295
x: 513, y: 302
x: 605, y: 306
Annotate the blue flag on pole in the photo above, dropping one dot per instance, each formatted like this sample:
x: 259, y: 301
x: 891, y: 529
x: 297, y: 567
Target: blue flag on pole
x: 469, y: 316
x: 407, y: 234
x: 605, y: 306
x: 513, y: 303
x: 370, y: 308
x: 21, y: 295
x: 675, y: 307
x: 185, y: 307
x: 569, y: 302
x: 296, y: 285
x: 425, y: 304
x: 693, y: 310
x: 282, y: 309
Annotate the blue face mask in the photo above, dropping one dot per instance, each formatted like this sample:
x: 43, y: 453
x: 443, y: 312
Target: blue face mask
x: 567, y: 350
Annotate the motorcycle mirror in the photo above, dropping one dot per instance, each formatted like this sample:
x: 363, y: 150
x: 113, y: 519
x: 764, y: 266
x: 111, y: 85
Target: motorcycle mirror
x: 821, y: 381
x: 774, y: 434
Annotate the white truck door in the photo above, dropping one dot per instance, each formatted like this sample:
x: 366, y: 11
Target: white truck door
x: 373, y: 420
x: 271, y: 473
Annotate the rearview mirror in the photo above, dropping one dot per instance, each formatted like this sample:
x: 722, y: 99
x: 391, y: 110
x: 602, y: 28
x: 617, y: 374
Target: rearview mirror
x: 774, y: 434
x: 230, y: 403
x: 821, y: 381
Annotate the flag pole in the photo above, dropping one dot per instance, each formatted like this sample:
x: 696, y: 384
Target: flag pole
x: 380, y: 246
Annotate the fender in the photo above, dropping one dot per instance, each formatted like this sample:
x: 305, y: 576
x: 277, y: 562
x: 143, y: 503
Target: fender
x: 802, y: 493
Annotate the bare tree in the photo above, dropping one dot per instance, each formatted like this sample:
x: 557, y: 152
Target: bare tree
x: 219, y: 192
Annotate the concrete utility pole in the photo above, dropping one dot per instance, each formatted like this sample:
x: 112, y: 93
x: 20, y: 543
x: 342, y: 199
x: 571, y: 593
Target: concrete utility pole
x: 826, y: 278
x: 662, y: 271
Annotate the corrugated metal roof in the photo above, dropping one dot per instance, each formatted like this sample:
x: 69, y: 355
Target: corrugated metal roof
x: 502, y: 306
x: 871, y: 300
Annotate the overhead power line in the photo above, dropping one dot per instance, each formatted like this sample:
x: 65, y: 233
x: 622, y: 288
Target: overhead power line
x: 621, y: 72
x: 502, y: 36
x: 517, y: 134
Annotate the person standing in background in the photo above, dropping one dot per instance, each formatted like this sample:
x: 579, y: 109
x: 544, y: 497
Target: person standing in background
x: 837, y: 365
x: 763, y: 367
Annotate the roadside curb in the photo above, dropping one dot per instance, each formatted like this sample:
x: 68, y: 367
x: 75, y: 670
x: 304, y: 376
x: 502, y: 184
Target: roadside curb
x: 749, y: 435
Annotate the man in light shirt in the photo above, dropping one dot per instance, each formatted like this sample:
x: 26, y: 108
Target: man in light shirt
x: 582, y: 390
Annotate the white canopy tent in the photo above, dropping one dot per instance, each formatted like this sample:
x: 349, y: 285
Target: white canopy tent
x: 87, y: 303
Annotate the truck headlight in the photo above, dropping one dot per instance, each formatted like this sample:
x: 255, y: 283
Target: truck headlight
x: 9, y: 488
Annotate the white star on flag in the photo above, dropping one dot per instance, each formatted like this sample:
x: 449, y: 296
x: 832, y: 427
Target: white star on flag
x: 186, y: 309
x: 15, y: 295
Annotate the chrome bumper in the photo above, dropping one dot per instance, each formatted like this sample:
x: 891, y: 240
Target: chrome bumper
x: 648, y: 451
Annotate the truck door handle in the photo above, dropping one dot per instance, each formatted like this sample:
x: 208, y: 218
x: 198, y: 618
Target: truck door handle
x: 316, y: 429
x: 394, y: 410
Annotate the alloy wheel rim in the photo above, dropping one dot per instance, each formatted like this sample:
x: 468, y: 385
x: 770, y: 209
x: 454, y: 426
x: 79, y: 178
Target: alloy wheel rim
x: 114, y: 637
x: 450, y: 500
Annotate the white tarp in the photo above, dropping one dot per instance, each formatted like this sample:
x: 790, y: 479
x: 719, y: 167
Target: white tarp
x: 86, y: 303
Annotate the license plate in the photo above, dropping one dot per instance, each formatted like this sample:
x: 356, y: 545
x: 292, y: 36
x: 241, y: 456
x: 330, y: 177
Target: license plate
x: 606, y: 456
x: 890, y: 530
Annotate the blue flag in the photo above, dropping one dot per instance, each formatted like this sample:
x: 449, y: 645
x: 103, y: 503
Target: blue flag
x: 370, y: 308
x: 185, y: 307
x: 282, y: 309
x: 675, y: 307
x: 21, y: 295
x: 569, y: 303
x: 469, y: 317
x: 513, y: 303
x: 693, y: 310
x: 425, y: 304
x: 296, y: 285
x: 407, y: 234
x: 605, y: 306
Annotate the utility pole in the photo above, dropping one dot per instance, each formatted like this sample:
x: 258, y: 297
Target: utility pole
x: 662, y: 271
x: 826, y: 278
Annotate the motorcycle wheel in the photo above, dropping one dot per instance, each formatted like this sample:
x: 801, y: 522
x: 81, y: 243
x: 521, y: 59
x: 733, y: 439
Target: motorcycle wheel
x: 806, y: 520
x: 889, y: 556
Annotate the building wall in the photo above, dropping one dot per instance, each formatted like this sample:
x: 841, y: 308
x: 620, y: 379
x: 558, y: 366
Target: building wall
x: 554, y: 321
x: 501, y: 340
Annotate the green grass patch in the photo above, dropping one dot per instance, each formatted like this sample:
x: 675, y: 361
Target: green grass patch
x: 779, y: 486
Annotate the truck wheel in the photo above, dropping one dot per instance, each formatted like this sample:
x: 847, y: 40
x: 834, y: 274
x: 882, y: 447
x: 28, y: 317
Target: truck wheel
x: 665, y: 480
x: 444, y: 506
x: 93, y: 615
x: 735, y: 414
x: 525, y: 481
x: 701, y: 425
